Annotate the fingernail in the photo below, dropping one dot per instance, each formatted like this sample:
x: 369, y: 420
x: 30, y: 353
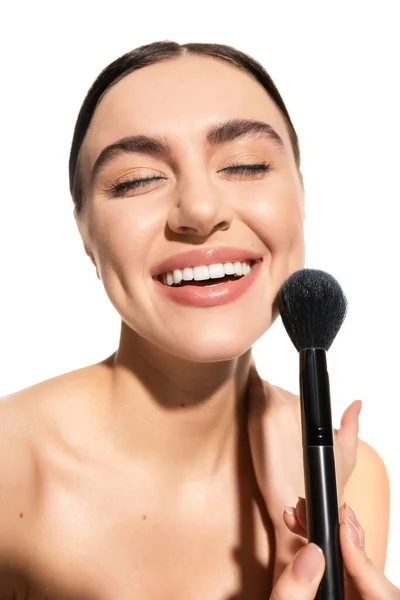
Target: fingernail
x: 289, y: 510
x: 352, y: 532
x: 351, y: 512
x: 300, y: 499
x: 307, y: 563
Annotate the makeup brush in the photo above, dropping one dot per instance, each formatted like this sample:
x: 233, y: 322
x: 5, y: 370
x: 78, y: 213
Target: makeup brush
x: 313, y: 307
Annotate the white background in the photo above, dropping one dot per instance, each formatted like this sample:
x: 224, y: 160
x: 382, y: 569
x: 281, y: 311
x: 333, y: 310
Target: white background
x: 337, y: 68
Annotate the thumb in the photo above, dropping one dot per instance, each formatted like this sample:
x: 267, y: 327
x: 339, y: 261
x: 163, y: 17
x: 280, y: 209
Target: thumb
x: 350, y: 416
x: 301, y: 578
x: 349, y: 426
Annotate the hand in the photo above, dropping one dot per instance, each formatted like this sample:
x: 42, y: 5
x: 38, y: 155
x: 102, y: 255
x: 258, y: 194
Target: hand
x: 274, y: 426
x: 363, y: 579
x: 300, y: 579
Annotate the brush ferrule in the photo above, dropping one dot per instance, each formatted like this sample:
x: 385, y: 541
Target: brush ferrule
x: 315, y: 398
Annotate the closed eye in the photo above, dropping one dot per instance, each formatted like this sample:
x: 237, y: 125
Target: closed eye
x: 256, y: 168
x: 121, y: 187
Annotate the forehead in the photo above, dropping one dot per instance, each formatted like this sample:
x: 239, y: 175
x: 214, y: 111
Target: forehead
x: 179, y: 99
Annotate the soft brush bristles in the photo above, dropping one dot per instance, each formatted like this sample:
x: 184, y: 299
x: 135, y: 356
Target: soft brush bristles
x: 313, y: 307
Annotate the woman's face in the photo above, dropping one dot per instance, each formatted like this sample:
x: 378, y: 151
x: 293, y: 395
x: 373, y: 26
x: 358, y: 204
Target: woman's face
x: 200, y: 206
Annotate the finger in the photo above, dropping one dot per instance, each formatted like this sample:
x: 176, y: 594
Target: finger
x: 301, y: 512
x: 346, y: 443
x: 301, y: 578
x: 366, y: 577
x: 291, y: 520
x: 349, y: 423
x: 347, y: 511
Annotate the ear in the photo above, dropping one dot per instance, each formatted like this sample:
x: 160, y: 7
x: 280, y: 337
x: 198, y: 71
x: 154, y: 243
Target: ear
x: 84, y: 235
x: 90, y: 255
x: 303, y: 194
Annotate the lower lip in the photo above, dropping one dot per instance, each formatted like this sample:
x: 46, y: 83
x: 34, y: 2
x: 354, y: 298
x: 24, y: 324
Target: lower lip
x: 207, y: 296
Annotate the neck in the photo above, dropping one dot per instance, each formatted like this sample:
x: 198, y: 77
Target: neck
x: 183, y: 419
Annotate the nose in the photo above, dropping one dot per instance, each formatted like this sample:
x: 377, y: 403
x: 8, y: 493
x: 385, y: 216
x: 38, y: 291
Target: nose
x: 200, y: 210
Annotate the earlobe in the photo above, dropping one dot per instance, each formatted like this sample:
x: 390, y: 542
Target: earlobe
x: 303, y: 202
x: 86, y: 248
x: 90, y: 255
x: 300, y: 174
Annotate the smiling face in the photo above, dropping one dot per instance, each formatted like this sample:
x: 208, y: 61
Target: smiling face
x: 203, y: 200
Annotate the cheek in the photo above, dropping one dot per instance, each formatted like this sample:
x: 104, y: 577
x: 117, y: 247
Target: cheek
x: 278, y: 219
x: 123, y: 233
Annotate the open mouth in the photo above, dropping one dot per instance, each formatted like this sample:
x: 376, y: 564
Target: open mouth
x: 207, y: 275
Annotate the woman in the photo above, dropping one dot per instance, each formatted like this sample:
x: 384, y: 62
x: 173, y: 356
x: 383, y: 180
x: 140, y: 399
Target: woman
x: 163, y: 471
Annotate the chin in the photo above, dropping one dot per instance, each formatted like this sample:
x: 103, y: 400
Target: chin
x: 214, y: 344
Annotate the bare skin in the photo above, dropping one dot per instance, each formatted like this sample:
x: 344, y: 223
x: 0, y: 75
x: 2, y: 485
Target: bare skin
x: 93, y: 523
x: 82, y: 520
x: 134, y: 477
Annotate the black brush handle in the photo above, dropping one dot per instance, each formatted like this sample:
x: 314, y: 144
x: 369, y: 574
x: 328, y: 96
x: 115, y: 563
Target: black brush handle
x: 322, y: 517
x: 319, y: 470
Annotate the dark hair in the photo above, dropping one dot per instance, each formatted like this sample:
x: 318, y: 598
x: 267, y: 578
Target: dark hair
x: 148, y: 55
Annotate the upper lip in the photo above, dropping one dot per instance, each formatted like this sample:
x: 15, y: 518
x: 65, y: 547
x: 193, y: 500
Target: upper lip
x: 203, y: 256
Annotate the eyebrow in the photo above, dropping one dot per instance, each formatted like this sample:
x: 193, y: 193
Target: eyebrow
x: 220, y: 133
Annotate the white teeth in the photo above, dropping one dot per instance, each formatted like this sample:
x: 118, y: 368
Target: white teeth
x: 216, y: 271
x: 187, y: 274
x: 177, y: 275
x: 229, y: 269
x: 203, y: 272
x: 238, y: 268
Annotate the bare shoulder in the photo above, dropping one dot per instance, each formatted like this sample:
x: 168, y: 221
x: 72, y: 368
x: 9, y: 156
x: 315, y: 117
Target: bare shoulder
x: 17, y: 490
x: 281, y: 392
x: 51, y: 405
x: 369, y: 474
x: 16, y: 459
x: 30, y: 421
x: 280, y: 396
x: 368, y: 492
x: 370, y: 466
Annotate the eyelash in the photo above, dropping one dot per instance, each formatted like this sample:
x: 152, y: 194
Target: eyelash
x: 118, y: 189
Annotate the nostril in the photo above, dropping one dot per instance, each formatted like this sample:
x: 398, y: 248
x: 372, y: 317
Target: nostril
x: 186, y: 229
